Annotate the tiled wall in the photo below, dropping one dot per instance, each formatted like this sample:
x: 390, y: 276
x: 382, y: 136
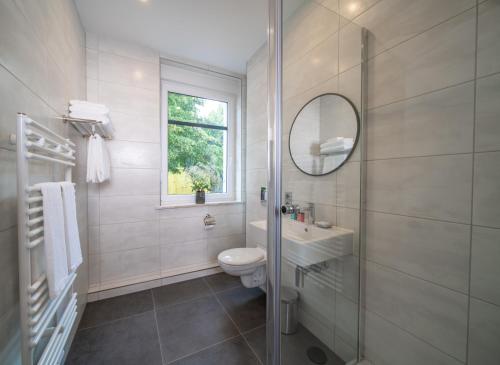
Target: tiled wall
x: 132, y: 243
x: 42, y: 66
x: 319, y: 57
x: 433, y: 141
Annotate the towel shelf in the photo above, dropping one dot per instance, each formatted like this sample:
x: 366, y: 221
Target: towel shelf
x: 86, y: 126
x: 41, y: 316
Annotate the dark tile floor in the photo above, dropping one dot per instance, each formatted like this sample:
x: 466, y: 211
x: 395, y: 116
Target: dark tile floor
x: 207, y: 321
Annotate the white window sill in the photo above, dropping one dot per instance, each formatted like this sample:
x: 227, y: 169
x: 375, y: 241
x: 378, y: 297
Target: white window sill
x: 188, y: 205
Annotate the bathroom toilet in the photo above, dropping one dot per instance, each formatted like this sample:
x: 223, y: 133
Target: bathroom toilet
x: 248, y: 263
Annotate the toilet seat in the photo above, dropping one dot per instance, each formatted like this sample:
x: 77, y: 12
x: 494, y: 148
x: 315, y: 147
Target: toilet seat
x: 241, y: 256
x: 247, y: 263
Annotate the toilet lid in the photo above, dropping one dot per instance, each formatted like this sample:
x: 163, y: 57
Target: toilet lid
x: 241, y: 256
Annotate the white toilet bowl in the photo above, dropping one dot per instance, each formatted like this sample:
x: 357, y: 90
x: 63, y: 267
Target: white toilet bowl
x: 247, y: 263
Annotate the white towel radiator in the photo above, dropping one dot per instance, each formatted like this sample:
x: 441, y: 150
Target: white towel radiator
x: 46, y: 323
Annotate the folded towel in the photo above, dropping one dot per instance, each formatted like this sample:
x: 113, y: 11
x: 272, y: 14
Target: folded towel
x: 98, y: 164
x: 56, y: 264
x: 88, y: 104
x: 341, y: 144
x: 335, y: 149
x: 89, y: 109
x: 73, y: 248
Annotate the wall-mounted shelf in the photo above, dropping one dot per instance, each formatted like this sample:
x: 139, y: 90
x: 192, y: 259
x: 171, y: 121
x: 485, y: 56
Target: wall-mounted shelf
x: 87, y: 127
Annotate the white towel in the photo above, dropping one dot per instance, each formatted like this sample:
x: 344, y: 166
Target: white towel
x: 343, y: 144
x: 85, y: 106
x: 98, y: 164
x: 73, y: 248
x: 56, y: 264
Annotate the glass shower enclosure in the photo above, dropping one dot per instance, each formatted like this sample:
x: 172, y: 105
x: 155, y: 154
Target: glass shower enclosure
x: 315, y: 174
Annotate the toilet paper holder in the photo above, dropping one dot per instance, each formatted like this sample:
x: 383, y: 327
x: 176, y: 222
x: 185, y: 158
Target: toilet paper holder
x: 209, y: 221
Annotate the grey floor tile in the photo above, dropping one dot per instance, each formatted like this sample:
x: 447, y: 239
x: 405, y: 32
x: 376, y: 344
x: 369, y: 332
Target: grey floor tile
x: 257, y: 341
x: 103, y: 311
x: 180, y: 292
x: 295, y: 347
x: 128, y: 341
x: 222, y: 281
x: 231, y: 352
x: 190, y: 327
x: 247, y: 307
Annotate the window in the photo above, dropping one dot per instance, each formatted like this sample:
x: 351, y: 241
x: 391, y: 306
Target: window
x: 198, y: 143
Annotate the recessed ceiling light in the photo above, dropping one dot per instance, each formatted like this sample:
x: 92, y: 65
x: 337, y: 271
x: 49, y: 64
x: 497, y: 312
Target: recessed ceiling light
x: 144, y: 1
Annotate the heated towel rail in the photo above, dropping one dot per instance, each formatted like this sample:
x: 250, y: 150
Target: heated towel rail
x: 46, y: 323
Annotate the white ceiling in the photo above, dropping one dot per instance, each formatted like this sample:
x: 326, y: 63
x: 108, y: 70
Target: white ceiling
x: 221, y: 33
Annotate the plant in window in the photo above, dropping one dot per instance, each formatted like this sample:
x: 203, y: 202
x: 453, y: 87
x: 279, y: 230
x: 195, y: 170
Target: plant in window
x: 200, y: 182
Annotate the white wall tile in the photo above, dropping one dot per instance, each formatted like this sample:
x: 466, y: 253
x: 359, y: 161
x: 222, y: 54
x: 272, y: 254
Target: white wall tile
x: 349, y: 46
x: 486, y: 192
x: 127, y: 236
x: 8, y: 190
x: 136, y: 128
x: 186, y: 253
x: 129, y: 100
x: 484, y: 335
x: 432, y: 313
x: 94, y: 240
x: 488, y: 48
x: 487, y: 114
x: 432, y: 250
x: 128, y: 71
x: 176, y: 230
x: 388, y: 344
x: 122, y: 209
x: 18, y: 43
x: 428, y: 187
x: 318, y: 65
x: 485, y: 270
x: 391, y: 22
x: 130, y: 266
x: 348, y: 185
x: 126, y: 154
x: 10, y: 272
x: 117, y: 47
x: 94, y: 216
x: 437, y: 123
x: 440, y: 57
x: 128, y: 182
x: 92, y: 64
x: 307, y: 27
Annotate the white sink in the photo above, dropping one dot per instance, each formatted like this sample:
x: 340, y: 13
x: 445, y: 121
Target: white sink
x: 304, y: 244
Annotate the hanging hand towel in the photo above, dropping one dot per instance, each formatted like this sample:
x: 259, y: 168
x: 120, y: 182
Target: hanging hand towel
x: 98, y: 165
x: 73, y: 248
x: 56, y: 264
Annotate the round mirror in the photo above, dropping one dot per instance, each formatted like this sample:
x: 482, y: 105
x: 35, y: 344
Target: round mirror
x: 324, y: 134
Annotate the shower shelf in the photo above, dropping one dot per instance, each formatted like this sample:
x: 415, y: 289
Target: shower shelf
x: 87, y: 127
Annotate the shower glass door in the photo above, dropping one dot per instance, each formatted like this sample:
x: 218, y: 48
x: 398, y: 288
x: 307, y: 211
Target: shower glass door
x: 315, y: 174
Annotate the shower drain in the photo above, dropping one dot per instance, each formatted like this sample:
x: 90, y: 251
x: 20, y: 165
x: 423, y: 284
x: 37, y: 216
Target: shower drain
x: 316, y: 355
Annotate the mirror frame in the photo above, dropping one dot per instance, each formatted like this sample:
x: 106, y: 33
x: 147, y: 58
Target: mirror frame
x: 355, y: 144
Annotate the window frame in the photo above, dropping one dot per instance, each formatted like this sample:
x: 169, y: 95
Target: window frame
x: 230, y: 158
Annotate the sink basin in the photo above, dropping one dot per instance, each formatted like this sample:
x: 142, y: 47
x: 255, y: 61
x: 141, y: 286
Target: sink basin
x: 306, y: 245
